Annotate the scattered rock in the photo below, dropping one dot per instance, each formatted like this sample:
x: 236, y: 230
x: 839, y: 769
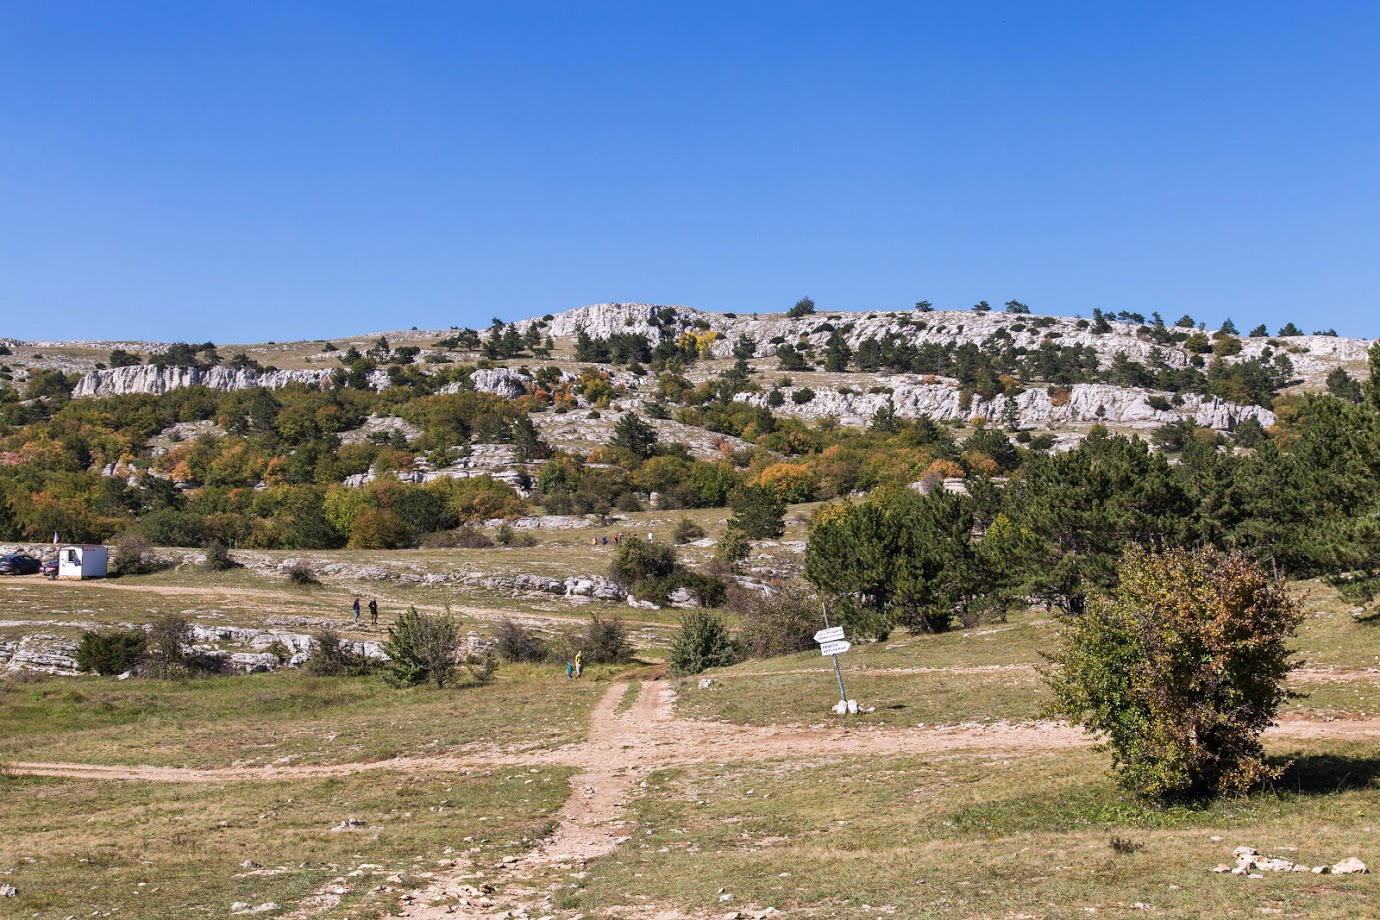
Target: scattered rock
x: 1350, y: 866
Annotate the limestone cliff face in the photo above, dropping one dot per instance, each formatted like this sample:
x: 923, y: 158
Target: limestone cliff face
x: 1080, y: 404
x: 1312, y: 355
x: 146, y: 378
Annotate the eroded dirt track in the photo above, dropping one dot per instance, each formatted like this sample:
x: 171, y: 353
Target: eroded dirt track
x: 621, y: 750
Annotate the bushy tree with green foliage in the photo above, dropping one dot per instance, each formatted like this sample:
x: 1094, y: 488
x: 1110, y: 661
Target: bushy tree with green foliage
x: 900, y: 558
x: 429, y: 648
x: 759, y: 513
x: 703, y: 642
x: 1180, y: 669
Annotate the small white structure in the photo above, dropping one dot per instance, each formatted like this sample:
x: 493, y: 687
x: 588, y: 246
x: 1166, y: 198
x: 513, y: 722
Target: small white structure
x: 82, y: 560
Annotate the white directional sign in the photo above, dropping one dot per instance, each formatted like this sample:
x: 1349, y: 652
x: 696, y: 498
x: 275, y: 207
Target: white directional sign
x: 834, y: 648
x: 833, y: 634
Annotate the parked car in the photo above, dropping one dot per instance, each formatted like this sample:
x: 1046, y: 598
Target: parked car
x: 49, y: 569
x: 19, y: 564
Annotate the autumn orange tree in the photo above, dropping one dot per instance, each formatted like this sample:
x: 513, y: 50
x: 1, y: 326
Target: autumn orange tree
x: 1181, y: 668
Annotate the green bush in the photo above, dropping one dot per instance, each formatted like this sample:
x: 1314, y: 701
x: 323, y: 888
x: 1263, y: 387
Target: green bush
x: 1181, y: 669
x: 733, y: 547
x: 113, y: 652
x: 777, y: 624
x: 428, y: 648
x: 217, y: 557
x: 135, y: 555
x: 758, y: 512
x: 703, y: 642
x: 516, y: 642
x: 600, y: 641
x: 168, y: 641
x: 331, y: 656
x: 636, y: 561
x: 687, y: 530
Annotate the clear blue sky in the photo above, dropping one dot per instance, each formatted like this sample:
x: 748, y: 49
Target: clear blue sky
x: 243, y: 171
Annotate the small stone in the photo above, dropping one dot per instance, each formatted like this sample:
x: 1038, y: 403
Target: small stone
x: 1349, y: 866
x: 8, y: 891
x: 1222, y: 867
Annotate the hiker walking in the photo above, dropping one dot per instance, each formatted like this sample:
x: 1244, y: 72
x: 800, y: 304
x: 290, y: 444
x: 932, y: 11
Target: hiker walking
x: 579, y: 663
x: 356, y: 609
x: 649, y: 536
x: 374, y: 610
x: 569, y: 669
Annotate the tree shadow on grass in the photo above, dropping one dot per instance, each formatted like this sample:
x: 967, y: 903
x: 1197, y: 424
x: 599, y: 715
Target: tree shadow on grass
x: 1327, y: 774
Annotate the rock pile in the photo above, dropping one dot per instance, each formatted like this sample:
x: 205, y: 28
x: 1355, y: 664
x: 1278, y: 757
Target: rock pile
x: 1249, y: 862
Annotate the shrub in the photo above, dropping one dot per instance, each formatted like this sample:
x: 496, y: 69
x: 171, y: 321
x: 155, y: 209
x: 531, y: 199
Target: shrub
x: 332, y: 656
x: 803, y: 395
x: 703, y: 642
x: 733, y: 547
x: 217, y: 557
x: 112, y: 652
x: 777, y: 624
x: 687, y: 530
x: 426, y: 648
x: 168, y: 639
x: 515, y: 642
x: 135, y: 555
x: 758, y: 512
x: 300, y: 573
x: 636, y: 561
x: 605, y: 641
x: 1181, y: 669
x: 507, y: 536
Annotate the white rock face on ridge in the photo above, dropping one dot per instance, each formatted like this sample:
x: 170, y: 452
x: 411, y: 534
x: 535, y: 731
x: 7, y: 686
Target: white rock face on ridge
x: 602, y: 320
x: 1088, y: 403
x: 146, y: 378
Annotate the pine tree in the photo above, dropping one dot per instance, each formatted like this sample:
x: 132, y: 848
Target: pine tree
x: 758, y: 512
x: 837, y: 354
x: 634, y: 435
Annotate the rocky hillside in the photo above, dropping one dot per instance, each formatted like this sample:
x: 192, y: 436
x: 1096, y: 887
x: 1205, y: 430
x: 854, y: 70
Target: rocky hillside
x: 851, y: 398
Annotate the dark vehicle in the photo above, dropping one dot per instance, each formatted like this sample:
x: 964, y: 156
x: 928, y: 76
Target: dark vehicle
x: 19, y: 564
x: 49, y: 569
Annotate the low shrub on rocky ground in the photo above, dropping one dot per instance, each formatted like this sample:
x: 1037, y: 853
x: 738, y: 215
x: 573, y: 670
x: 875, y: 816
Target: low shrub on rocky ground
x: 515, y: 642
x: 777, y: 624
x: 331, y: 656
x: 111, y: 652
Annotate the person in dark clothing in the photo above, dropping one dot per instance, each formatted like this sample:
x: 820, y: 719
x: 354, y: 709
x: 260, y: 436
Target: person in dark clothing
x: 356, y: 609
x: 374, y: 610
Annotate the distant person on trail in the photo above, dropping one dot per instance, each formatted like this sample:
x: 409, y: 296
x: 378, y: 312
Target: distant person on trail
x: 374, y: 610
x: 356, y: 608
x: 569, y: 669
x: 606, y: 541
x: 579, y: 663
x: 649, y: 536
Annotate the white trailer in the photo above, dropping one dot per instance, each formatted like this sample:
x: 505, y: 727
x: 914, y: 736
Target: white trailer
x: 83, y: 560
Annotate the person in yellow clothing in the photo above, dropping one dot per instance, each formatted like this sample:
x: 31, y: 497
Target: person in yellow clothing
x: 579, y: 663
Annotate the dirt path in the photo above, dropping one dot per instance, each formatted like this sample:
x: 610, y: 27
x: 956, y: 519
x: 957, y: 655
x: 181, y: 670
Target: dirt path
x: 339, y: 594
x: 620, y: 752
